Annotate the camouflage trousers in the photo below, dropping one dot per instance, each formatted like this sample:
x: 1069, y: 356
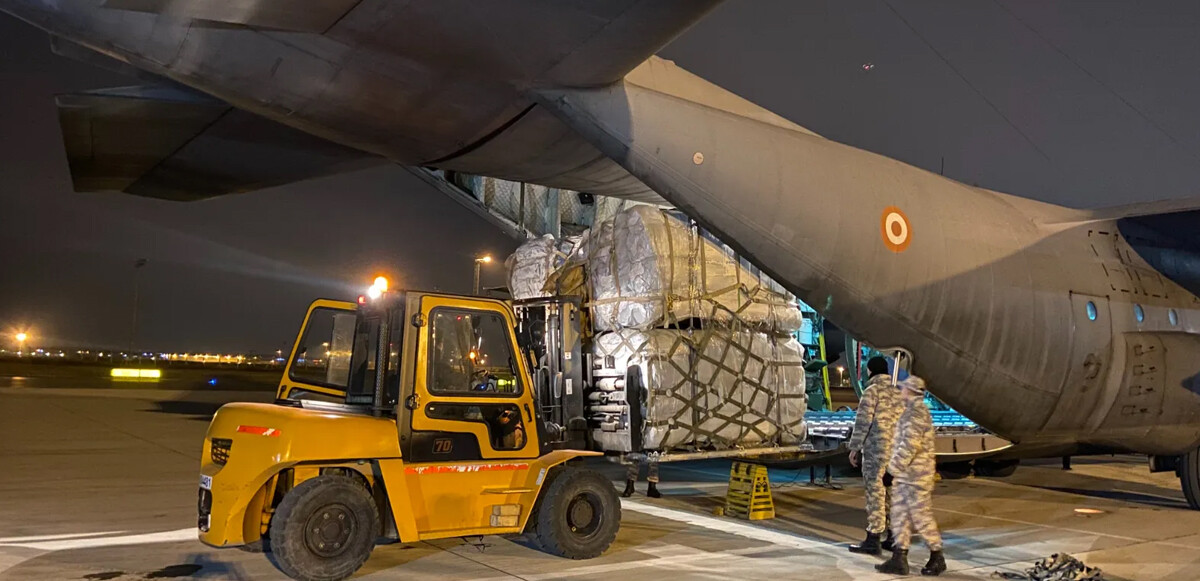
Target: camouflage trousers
x: 879, y: 497
x: 912, y: 509
x: 632, y: 469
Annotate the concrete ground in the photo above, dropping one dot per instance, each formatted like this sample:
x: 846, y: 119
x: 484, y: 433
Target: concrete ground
x: 101, y: 484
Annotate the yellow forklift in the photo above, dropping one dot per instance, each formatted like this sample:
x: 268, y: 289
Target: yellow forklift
x: 408, y: 416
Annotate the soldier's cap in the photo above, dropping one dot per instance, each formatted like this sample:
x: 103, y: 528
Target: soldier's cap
x: 913, y: 383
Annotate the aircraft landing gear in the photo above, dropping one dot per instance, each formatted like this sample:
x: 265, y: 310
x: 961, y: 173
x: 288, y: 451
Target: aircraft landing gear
x: 1188, y: 469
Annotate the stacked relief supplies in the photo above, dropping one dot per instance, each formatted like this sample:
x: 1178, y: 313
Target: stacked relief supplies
x: 712, y: 340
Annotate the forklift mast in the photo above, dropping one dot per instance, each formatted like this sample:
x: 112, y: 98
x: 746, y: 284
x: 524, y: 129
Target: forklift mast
x: 550, y: 330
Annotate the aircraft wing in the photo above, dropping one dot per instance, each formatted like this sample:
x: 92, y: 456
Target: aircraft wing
x: 168, y: 142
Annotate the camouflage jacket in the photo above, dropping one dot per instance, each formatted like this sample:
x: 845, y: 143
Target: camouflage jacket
x: 913, y: 455
x: 875, y: 420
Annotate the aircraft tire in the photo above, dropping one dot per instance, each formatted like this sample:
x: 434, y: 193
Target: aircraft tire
x: 578, y: 516
x: 324, y: 529
x: 996, y: 468
x: 954, y: 470
x: 1189, y: 477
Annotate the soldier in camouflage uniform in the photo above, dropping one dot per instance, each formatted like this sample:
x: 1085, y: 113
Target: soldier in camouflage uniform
x: 912, y: 470
x: 874, y: 427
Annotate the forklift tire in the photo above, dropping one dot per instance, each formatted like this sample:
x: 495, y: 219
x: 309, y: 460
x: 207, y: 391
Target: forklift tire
x: 579, y: 515
x: 324, y: 529
x: 262, y: 545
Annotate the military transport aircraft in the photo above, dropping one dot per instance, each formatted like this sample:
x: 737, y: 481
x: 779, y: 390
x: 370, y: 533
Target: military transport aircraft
x: 1065, y: 331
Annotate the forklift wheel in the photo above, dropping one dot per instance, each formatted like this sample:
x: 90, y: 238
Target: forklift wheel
x: 579, y: 515
x: 260, y: 546
x: 324, y: 529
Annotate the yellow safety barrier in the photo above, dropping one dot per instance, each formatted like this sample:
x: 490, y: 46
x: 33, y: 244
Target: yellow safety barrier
x: 749, y: 494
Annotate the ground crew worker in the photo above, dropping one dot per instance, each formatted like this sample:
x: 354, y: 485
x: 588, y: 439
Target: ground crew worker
x: 874, y: 427
x: 631, y: 476
x: 912, y: 470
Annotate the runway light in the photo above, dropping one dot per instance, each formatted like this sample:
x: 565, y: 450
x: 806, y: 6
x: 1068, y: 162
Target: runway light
x: 136, y: 373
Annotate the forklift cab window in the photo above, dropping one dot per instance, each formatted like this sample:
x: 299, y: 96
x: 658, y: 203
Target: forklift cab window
x: 471, y: 353
x: 323, y: 355
x: 364, y: 362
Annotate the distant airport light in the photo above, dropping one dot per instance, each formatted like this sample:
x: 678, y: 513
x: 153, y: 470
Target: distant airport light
x: 1088, y: 511
x: 381, y: 282
x: 124, y: 372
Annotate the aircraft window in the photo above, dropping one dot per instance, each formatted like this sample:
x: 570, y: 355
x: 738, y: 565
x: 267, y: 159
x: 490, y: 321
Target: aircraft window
x: 1138, y: 313
x: 470, y: 353
x: 1173, y: 316
x: 1091, y: 311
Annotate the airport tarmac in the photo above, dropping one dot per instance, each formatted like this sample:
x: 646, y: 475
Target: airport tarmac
x: 101, y: 484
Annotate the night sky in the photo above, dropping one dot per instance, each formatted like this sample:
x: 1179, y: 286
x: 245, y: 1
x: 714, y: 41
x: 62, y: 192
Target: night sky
x: 1087, y: 103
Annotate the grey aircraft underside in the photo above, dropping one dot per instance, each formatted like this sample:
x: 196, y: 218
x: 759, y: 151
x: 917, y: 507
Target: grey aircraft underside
x: 1065, y: 331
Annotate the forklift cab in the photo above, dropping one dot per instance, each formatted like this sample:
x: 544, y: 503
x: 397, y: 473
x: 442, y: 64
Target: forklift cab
x: 447, y: 368
x: 406, y: 415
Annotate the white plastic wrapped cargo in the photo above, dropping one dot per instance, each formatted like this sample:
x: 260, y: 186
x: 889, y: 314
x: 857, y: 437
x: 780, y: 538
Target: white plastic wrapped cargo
x: 531, y: 264
x: 788, y: 361
x: 711, y: 388
x: 665, y: 360
x: 652, y: 270
x: 753, y: 385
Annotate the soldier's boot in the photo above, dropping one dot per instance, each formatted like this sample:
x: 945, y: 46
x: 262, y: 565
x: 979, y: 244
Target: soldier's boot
x: 897, y: 565
x: 887, y: 542
x: 628, y: 489
x: 870, y: 546
x: 936, y: 565
x: 652, y: 490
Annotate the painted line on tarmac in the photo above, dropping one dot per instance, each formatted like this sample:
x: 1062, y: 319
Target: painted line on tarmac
x: 188, y: 534
x: 7, y: 540
x: 763, y: 534
x: 671, y: 557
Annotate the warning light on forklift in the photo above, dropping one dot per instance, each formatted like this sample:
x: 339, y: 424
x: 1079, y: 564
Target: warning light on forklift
x: 378, y: 288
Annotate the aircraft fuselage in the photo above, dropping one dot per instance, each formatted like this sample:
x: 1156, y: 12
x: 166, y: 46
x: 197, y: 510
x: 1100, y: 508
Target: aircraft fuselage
x: 1059, y: 331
